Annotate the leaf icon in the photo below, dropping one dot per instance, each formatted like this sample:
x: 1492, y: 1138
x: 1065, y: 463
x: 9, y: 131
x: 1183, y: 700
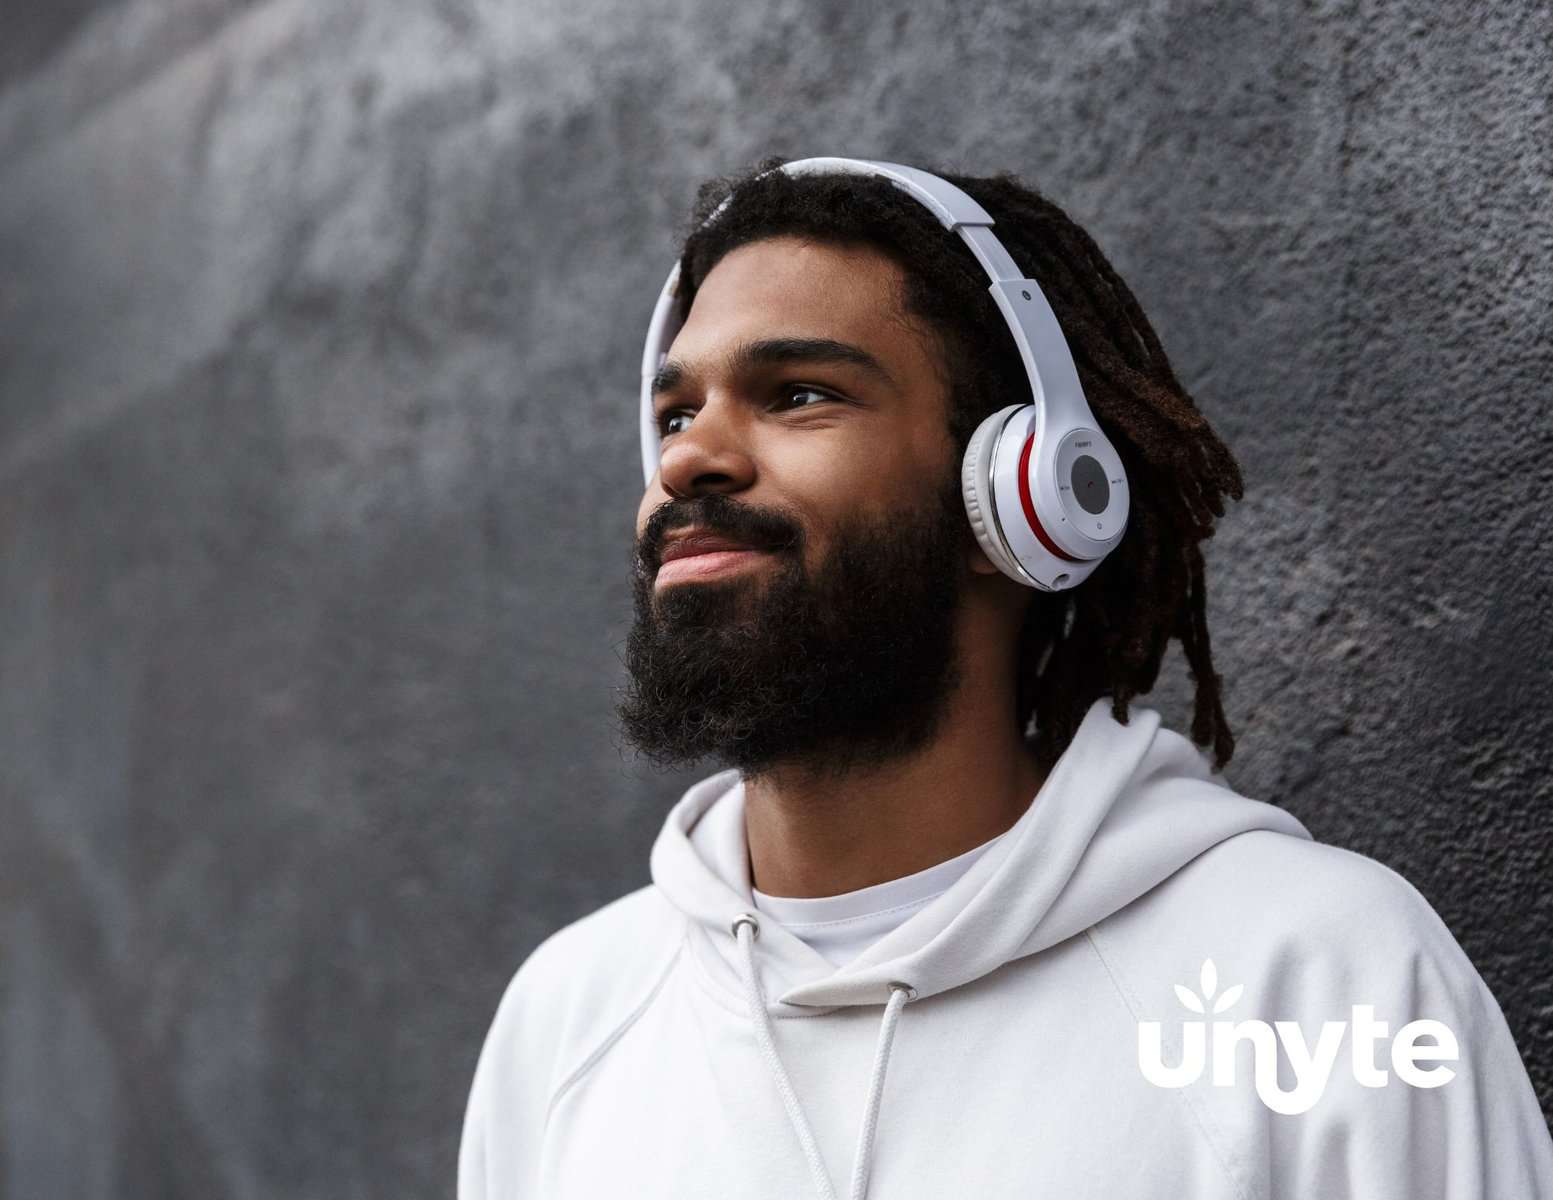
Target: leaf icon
x: 1188, y: 998
x: 1231, y: 994
x: 1210, y: 979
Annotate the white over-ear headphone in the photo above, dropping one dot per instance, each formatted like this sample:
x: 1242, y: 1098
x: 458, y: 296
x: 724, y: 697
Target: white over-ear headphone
x: 1044, y: 489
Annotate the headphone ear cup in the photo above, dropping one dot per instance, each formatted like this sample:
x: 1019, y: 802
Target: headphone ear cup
x: 976, y: 490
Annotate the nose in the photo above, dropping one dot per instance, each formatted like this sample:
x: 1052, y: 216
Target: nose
x: 708, y: 455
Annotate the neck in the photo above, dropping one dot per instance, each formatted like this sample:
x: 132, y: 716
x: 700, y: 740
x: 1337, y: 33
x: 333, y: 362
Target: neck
x: 812, y: 834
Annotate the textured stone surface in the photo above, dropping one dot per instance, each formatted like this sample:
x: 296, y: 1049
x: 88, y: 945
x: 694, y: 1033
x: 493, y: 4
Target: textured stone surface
x: 319, y: 323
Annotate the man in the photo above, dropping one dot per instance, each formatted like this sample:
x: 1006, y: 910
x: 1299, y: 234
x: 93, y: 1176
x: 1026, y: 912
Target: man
x: 957, y: 918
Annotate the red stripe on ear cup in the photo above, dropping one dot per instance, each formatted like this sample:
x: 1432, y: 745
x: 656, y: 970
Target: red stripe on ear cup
x: 1029, y: 504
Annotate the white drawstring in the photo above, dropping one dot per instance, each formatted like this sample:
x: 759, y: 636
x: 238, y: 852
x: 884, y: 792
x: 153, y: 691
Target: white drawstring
x: 900, y: 993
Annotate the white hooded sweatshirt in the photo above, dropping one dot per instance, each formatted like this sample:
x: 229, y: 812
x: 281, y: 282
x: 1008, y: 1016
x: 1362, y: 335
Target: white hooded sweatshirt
x: 677, y: 1043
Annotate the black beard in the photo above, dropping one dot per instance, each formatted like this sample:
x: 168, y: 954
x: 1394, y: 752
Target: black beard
x: 851, y: 668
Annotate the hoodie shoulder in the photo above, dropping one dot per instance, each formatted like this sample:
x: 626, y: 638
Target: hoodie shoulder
x: 1335, y: 896
x: 584, y: 979
x: 1305, y: 933
x: 1320, y: 917
x: 628, y: 930
x: 579, y: 990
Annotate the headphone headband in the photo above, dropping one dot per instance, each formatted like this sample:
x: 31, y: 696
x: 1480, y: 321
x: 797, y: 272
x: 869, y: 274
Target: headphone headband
x: 1054, y: 380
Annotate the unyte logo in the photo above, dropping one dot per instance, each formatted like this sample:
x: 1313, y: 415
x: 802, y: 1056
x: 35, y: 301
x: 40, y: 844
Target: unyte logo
x: 1310, y: 1066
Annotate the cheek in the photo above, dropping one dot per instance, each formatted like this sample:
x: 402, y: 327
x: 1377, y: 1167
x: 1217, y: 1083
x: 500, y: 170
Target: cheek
x: 852, y: 465
x: 858, y: 477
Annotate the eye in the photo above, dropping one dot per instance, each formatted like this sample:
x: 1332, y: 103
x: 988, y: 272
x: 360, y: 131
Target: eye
x: 802, y: 390
x: 666, y: 419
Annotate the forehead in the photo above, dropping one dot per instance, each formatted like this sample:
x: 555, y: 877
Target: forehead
x: 791, y: 286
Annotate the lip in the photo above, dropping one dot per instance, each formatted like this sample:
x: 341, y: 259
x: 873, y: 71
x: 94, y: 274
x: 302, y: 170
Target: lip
x: 699, y: 542
x: 710, y: 562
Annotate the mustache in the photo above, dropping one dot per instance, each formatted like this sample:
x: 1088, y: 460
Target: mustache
x: 763, y: 528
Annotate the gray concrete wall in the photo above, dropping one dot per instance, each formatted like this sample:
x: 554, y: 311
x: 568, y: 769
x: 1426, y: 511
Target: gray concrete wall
x: 319, y: 324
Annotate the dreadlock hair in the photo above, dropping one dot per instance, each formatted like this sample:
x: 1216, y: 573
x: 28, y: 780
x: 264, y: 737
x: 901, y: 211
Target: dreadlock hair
x: 1109, y: 634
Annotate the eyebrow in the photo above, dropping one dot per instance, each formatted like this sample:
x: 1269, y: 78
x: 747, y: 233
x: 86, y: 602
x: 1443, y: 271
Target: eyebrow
x: 747, y: 356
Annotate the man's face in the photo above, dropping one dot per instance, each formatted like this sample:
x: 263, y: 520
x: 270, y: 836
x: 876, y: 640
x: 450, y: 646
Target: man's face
x: 804, y: 418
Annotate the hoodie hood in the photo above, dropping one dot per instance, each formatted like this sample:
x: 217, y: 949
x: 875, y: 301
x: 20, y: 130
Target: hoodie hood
x: 1123, y: 808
